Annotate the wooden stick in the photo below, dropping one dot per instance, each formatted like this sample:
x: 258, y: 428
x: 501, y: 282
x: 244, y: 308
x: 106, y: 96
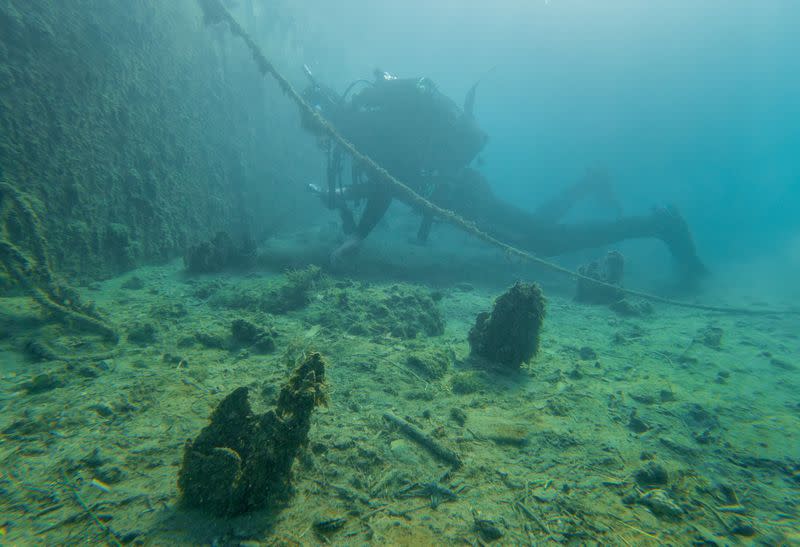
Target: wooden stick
x: 426, y: 441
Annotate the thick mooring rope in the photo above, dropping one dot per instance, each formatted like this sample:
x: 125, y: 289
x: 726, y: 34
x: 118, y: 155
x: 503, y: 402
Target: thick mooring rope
x: 214, y: 12
x: 35, y: 275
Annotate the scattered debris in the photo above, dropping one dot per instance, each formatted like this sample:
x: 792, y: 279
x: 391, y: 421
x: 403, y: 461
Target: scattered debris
x: 417, y: 435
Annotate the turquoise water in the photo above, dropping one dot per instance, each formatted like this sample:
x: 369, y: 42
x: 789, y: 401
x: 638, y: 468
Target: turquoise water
x: 196, y: 350
x: 681, y: 103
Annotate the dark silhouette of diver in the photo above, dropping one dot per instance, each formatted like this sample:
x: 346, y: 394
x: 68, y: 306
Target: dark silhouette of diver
x: 425, y: 140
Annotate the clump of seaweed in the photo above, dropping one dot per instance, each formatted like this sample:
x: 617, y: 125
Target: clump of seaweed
x: 244, y: 333
x: 509, y: 335
x: 432, y: 363
x: 242, y: 461
x: 293, y: 293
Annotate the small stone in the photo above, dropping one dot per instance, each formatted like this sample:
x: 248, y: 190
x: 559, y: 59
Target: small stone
x: 432, y: 364
x: 103, y: 410
x: 329, y: 526
x: 659, y: 502
x: 110, y: 475
x: 488, y: 529
x: 637, y: 425
x: 88, y: 372
x: 781, y: 364
x: 651, y: 475
x: 667, y: 395
x: 587, y: 354
x: 42, y: 382
x: 575, y: 373
x: 142, y: 334
x: 711, y: 337
x: 95, y: 459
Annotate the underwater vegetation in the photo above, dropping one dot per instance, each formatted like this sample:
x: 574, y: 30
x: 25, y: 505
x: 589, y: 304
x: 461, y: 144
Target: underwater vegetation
x: 509, y: 334
x: 242, y: 461
x: 401, y: 311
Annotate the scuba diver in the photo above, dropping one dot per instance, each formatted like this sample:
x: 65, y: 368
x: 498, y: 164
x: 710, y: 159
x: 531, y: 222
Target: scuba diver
x: 427, y: 141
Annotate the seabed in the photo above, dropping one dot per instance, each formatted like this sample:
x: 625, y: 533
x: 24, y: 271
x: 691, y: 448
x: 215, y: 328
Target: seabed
x: 676, y: 427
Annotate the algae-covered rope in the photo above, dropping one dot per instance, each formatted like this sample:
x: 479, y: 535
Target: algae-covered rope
x: 35, y: 276
x: 215, y: 12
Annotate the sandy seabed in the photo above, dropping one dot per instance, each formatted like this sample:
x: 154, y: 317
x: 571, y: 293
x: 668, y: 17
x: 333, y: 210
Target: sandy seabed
x: 677, y: 427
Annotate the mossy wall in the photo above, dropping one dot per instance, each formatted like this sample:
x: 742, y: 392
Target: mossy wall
x: 138, y: 130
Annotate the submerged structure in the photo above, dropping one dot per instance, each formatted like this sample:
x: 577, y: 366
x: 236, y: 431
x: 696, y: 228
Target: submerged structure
x: 609, y: 271
x: 242, y: 461
x: 509, y: 335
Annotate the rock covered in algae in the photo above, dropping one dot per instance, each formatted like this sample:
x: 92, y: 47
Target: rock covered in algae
x: 509, y: 335
x: 242, y: 461
x: 609, y: 270
x: 432, y: 363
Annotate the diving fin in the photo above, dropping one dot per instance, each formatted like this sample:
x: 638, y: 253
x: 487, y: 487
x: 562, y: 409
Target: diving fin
x: 469, y: 100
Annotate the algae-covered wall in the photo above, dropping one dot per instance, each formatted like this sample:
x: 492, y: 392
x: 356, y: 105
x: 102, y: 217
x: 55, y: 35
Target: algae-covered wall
x: 137, y: 130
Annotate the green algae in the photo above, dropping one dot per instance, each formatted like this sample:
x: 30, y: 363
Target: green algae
x: 400, y: 310
x: 536, y: 445
x: 123, y: 125
x: 292, y: 292
x: 432, y: 363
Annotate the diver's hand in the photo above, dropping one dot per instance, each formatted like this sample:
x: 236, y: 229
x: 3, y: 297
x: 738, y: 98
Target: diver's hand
x: 346, y: 250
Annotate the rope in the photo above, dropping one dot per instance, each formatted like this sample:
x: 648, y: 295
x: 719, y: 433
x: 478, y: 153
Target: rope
x: 36, y: 276
x: 215, y: 12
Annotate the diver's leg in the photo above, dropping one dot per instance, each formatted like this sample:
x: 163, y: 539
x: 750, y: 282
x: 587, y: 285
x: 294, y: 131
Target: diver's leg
x: 441, y: 197
x: 425, y: 227
x: 594, y: 182
x: 348, y: 222
x: 376, y: 207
